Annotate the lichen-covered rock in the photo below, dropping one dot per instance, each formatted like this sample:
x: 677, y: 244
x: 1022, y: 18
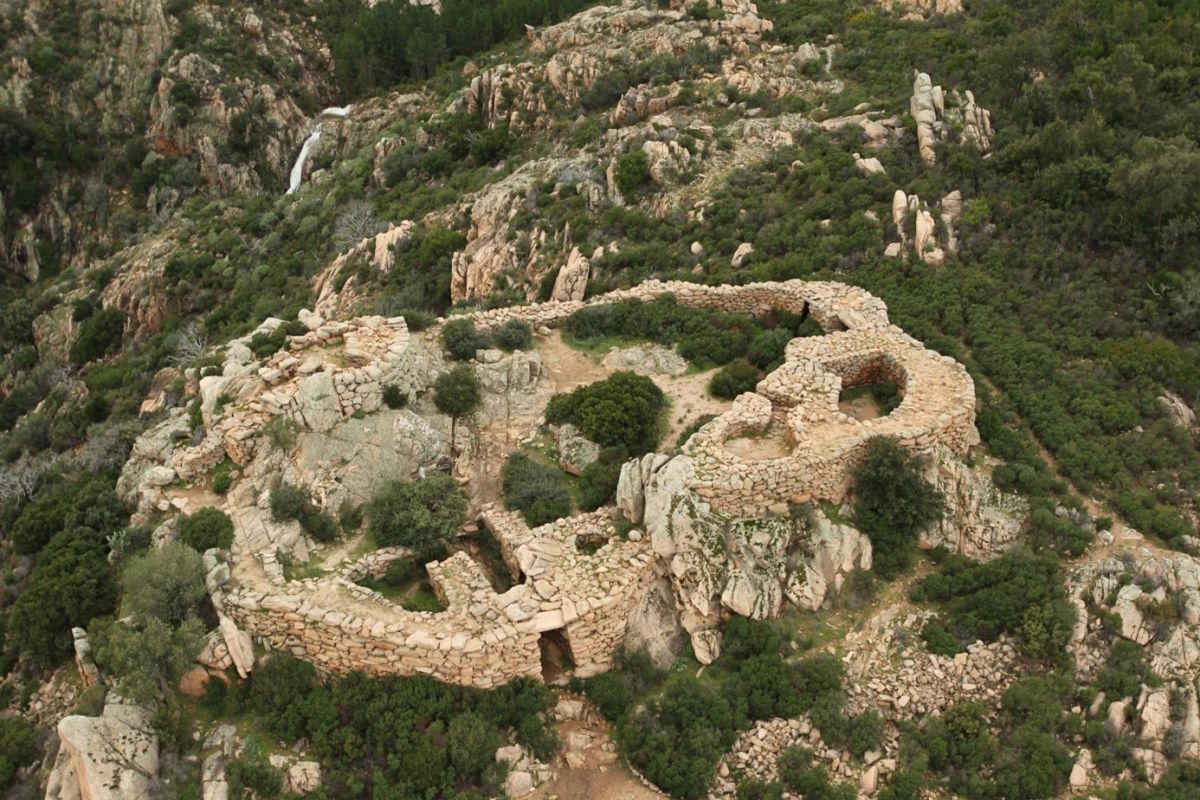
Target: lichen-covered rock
x: 575, y: 451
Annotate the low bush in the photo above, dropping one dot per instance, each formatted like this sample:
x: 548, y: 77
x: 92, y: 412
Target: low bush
x: 394, y: 397
x: 515, y: 334
x: 461, y: 339
x: 1021, y: 593
x: 290, y: 502
x: 733, y: 379
x: 624, y: 411
x: 18, y: 748
x: 99, y: 336
x: 421, y: 515
x: 206, y: 528
x: 539, y: 491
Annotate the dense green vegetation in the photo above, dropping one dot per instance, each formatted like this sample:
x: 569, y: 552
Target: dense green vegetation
x: 674, y: 727
x: 622, y: 411
x: 704, y: 337
x: 398, y: 737
x: 206, y: 528
x: 1020, y: 594
x: 395, y: 42
x: 893, y: 503
x: 422, y: 515
x: 539, y: 491
x: 290, y: 502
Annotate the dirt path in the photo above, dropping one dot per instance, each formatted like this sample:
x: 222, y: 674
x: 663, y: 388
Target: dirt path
x: 587, y: 767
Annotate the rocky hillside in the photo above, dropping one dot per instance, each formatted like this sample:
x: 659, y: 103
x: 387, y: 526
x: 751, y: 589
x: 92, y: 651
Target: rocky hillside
x: 190, y: 190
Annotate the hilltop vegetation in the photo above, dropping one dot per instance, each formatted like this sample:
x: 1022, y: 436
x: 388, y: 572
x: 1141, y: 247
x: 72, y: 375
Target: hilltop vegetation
x: 144, y: 156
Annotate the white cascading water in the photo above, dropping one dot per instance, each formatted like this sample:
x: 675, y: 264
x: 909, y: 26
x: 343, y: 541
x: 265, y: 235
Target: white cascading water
x: 306, y: 149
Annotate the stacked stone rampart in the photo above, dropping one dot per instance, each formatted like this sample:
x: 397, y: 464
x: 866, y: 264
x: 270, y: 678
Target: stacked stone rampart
x: 835, y: 306
x: 938, y: 408
x: 860, y: 348
x: 483, y: 638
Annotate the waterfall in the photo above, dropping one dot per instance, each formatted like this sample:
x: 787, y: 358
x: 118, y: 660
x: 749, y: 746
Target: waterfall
x: 314, y: 136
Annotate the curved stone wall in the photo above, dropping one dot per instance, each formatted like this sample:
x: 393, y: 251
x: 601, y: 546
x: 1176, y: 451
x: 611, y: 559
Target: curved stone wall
x: 484, y: 637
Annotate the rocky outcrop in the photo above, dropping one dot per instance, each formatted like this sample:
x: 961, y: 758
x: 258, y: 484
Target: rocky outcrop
x: 830, y: 552
x: 915, y: 224
x: 935, y: 118
x: 654, y: 626
x: 1177, y: 410
x: 571, y: 281
x: 921, y: 9
x: 927, y: 107
x: 575, y: 451
x: 647, y: 359
x: 980, y: 520
x: 110, y: 757
x: 1163, y: 581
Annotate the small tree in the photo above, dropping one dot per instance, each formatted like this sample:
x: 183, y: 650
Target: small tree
x: 893, y: 503
x: 149, y: 656
x: 420, y: 514
x: 166, y: 584
x: 457, y: 393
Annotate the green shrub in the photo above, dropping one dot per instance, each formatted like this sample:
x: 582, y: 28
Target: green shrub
x: 939, y: 640
x: 290, y: 502
x: 18, y: 748
x: 461, y: 339
x: 394, y: 397
x: 893, y: 503
x: 624, y: 410
x: 1020, y: 593
x: 733, y: 379
x: 422, y: 515
x: 70, y: 585
x: 755, y: 789
x: 633, y: 172
x: 767, y: 348
x: 206, y: 528
x: 350, y: 516
x: 99, y: 336
x: 598, y: 481
x: 281, y: 432
x: 253, y: 774
x: 514, y: 334
x: 537, y: 490
x: 798, y: 774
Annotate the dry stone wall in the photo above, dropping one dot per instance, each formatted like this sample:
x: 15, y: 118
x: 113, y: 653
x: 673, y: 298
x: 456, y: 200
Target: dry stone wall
x: 483, y: 638
x: 722, y: 485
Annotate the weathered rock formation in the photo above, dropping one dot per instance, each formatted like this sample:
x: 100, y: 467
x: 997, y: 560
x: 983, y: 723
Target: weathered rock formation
x: 571, y: 281
x: 110, y: 757
x: 915, y: 224
x: 935, y: 118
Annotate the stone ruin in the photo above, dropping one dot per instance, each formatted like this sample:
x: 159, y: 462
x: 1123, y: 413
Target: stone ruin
x: 721, y: 519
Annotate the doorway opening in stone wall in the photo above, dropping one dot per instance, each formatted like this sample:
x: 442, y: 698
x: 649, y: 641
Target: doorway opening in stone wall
x: 556, y: 656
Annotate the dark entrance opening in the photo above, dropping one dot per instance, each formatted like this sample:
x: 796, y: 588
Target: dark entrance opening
x: 556, y: 656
